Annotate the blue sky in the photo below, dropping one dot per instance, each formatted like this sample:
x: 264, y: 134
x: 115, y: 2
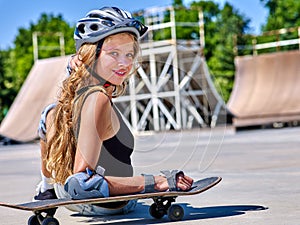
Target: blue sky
x: 15, y: 14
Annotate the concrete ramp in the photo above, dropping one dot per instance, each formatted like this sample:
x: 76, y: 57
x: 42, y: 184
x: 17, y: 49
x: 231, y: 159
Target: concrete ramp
x: 39, y: 89
x: 266, y: 89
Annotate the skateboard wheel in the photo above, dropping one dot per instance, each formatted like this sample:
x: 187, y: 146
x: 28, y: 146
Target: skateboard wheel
x: 50, y: 221
x: 33, y: 220
x: 156, y: 211
x: 175, y: 213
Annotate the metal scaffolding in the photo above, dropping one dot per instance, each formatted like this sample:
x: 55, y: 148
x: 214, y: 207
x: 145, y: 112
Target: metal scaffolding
x: 173, y: 89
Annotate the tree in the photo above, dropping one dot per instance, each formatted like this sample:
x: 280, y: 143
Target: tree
x: 229, y: 23
x: 8, y: 81
x: 221, y: 25
x: 210, y: 13
x: 282, y: 14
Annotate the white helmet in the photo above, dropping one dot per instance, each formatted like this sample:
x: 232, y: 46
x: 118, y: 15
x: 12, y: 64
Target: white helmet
x: 100, y: 23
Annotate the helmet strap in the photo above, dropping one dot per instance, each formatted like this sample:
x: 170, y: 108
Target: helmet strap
x: 98, y: 49
x: 102, y: 81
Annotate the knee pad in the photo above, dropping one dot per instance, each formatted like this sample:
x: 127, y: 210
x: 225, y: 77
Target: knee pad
x: 83, y: 186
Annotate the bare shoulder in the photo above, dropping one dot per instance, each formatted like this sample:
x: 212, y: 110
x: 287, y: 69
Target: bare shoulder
x: 97, y: 110
x: 97, y: 106
x: 101, y: 103
x: 98, y: 100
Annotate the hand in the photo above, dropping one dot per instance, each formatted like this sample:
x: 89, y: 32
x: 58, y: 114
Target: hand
x: 75, y: 62
x: 183, y: 182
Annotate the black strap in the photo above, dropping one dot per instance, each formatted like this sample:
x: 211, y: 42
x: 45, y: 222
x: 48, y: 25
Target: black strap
x: 149, y: 183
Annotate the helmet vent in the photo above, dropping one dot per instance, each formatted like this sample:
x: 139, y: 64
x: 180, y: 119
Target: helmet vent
x: 94, y: 27
x: 107, y: 23
x: 81, y: 28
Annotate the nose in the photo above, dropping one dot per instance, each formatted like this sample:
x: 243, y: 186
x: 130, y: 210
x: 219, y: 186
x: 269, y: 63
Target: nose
x: 124, y: 61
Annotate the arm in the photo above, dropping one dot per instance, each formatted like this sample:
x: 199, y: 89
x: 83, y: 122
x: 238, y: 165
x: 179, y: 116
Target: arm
x: 95, y: 126
x: 130, y: 185
x: 99, y: 123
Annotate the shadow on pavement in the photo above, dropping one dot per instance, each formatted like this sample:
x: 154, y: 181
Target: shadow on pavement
x: 141, y: 214
x: 219, y: 211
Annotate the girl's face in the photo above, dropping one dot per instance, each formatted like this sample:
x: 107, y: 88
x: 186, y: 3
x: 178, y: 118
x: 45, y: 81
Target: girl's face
x: 116, y: 58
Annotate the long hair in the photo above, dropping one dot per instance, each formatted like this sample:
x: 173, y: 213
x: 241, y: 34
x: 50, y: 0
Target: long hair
x: 62, y: 143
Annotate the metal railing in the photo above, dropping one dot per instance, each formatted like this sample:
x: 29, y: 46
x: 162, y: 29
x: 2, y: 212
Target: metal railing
x: 37, y: 47
x: 255, y: 46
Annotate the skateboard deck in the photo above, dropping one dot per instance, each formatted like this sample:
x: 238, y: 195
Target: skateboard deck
x: 162, y: 203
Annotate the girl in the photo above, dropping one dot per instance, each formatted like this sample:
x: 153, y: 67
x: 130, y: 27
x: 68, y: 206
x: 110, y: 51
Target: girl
x: 86, y: 147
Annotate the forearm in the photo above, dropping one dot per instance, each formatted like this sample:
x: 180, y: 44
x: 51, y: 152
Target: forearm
x: 130, y: 185
x: 125, y: 185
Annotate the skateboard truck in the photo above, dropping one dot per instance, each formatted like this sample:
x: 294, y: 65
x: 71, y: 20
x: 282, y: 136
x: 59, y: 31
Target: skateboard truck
x: 163, y: 206
x: 39, y: 219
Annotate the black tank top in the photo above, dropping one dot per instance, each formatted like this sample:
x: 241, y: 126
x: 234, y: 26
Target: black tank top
x: 116, y: 151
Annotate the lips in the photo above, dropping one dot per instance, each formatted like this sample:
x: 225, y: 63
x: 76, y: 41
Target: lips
x: 120, y: 73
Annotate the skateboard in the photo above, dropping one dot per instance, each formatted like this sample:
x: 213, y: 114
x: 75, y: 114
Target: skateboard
x: 162, y: 203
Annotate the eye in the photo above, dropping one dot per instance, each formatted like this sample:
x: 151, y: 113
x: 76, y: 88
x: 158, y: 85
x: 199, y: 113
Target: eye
x: 130, y: 55
x: 114, y: 54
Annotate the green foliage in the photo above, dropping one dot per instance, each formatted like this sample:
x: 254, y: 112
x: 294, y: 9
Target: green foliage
x: 221, y: 26
x: 211, y: 12
x: 282, y: 14
x: 9, y: 82
x: 229, y: 24
x: 187, y: 32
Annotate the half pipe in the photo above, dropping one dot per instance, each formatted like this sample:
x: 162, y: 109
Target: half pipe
x: 39, y: 89
x: 266, y: 89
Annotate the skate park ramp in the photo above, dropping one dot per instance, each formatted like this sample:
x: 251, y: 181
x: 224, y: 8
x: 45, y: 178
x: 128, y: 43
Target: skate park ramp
x: 39, y: 89
x: 266, y: 89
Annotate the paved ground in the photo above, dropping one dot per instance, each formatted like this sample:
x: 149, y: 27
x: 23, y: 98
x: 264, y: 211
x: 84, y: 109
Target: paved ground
x: 260, y: 171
